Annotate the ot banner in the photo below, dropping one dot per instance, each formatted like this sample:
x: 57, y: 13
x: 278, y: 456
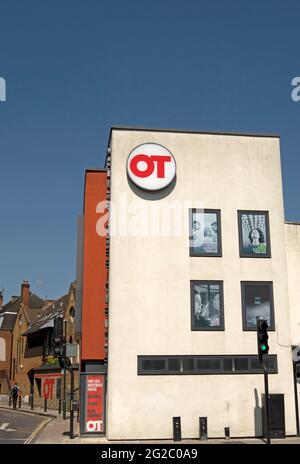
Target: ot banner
x: 94, y: 421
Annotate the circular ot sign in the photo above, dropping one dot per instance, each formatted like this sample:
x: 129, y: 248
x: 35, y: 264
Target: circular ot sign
x: 151, y: 166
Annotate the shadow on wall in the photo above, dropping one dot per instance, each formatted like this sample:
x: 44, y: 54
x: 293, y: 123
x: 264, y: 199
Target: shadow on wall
x: 257, y: 416
x: 152, y: 195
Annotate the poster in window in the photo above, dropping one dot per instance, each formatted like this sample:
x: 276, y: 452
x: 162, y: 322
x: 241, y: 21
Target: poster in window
x: 207, y: 305
x: 257, y: 300
x: 254, y: 234
x: 205, y: 232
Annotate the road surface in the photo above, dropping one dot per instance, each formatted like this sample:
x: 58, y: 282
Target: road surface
x: 17, y: 427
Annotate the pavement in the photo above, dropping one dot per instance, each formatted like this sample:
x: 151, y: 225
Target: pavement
x: 51, y: 428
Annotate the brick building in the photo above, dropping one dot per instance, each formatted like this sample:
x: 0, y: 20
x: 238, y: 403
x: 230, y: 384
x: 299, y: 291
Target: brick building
x: 40, y: 336
x: 26, y: 340
x: 15, y: 317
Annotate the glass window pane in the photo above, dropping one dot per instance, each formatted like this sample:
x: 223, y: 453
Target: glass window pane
x: 208, y: 364
x: 153, y: 364
x: 269, y: 362
x: 187, y: 364
x: 227, y: 364
x: 174, y: 364
x: 256, y: 364
x: 241, y: 364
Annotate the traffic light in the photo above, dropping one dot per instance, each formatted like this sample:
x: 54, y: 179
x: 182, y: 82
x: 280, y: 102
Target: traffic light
x: 59, y: 341
x: 64, y: 362
x: 59, y: 346
x: 262, y: 336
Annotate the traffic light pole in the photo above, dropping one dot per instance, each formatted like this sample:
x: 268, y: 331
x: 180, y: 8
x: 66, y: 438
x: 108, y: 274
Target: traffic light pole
x: 64, y: 395
x: 71, y: 402
x: 266, y: 400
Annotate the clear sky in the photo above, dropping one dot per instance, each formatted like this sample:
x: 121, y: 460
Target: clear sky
x: 74, y: 68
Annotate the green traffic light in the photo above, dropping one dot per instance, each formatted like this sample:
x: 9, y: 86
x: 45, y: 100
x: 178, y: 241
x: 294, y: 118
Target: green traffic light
x: 263, y: 347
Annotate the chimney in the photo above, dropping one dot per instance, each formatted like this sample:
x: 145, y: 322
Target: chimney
x: 25, y: 292
x: 1, y: 300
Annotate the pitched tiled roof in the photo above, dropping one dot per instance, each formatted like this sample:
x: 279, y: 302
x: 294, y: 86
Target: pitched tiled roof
x: 10, y: 311
x: 35, y: 301
x: 8, y: 314
x: 45, y: 317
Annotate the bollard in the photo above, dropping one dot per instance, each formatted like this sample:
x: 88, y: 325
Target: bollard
x: 45, y: 405
x: 176, y: 428
x: 78, y: 408
x: 227, y: 433
x: 59, y: 406
x: 203, y: 428
x: 20, y: 401
x: 31, y: 401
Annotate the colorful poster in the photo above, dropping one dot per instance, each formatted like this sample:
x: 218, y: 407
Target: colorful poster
x: 254, y: 234
x: 94, y: 421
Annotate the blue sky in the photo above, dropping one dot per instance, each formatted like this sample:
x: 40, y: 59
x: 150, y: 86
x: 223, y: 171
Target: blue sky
x: 74, y: 68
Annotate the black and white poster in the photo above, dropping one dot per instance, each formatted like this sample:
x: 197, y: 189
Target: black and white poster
x: 207, y: 305
x: 257, y: 299
x: 205, y: 232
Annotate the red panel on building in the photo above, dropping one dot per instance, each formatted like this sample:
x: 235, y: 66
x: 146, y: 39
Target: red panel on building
x: 94, y: 268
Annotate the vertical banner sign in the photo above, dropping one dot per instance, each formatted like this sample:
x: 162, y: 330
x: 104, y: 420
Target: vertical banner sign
x: 94, y: 403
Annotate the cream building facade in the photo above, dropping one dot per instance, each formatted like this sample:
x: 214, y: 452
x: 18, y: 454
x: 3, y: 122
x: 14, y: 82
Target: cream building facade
x: 151, y: 278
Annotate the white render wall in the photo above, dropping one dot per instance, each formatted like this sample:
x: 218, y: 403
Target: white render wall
x: 149, y: 292
x: 292, y: 236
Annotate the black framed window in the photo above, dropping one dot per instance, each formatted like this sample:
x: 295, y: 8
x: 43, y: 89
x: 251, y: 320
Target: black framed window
x: 257, y: 301
x: 205, y: 365
x: 154, y: 364
x: 254, y: 234
x: 207, y: 305
x: 205, y: 232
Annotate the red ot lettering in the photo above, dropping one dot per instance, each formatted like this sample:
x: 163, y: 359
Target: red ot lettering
x: 48, y: 388
x: 149, y: 160
x: 161, y: 160
x: 146, y: 159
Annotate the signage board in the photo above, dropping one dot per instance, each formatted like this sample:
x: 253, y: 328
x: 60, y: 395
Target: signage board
x: 151, y: 166
x: 49, y: 385
x: 94, y: 417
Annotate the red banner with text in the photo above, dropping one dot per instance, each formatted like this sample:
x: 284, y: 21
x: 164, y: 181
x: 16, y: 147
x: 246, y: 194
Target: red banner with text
x: 94, y: 421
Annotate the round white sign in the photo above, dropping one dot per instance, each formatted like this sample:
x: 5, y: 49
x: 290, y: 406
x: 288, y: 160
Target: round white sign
x: 151, y: 166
